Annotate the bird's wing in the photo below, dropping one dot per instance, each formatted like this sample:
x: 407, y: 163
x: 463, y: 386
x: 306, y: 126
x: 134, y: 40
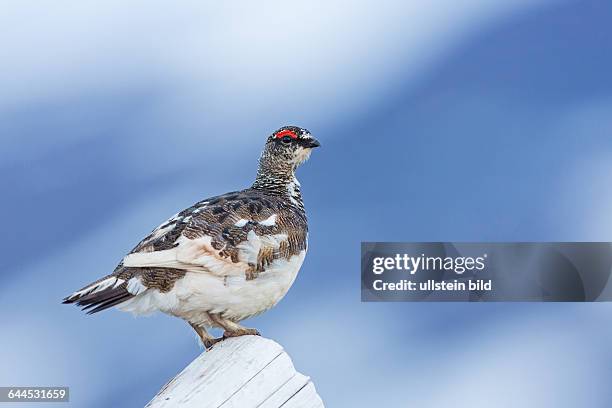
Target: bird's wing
x: 226, y: 235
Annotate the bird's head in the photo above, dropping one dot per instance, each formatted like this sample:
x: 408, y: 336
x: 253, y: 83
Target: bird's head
x: 289, y: 145
x: 285, y: 150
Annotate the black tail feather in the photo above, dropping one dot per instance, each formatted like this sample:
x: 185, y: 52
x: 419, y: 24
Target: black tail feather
x: 109, y: 303
x: 97, y: 301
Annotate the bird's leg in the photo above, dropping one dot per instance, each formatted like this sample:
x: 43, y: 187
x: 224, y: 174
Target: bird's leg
x: 251, y: 272
x: 232, y: 329
x: 207, y: 340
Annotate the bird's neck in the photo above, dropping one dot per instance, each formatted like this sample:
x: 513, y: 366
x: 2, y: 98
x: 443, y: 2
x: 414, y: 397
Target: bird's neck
x: 279, y: 181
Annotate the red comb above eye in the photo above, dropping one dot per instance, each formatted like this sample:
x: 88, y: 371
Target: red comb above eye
x: 286, y: 132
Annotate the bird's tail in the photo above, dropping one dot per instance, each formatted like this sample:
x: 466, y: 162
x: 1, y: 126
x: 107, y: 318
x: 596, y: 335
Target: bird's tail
x: 101, y: 294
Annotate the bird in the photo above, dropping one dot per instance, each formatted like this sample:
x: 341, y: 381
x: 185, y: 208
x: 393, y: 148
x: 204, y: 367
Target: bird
x: 225, y: 258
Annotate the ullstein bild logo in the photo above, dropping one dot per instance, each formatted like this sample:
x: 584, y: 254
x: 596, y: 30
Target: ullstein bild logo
x: 445, y: 271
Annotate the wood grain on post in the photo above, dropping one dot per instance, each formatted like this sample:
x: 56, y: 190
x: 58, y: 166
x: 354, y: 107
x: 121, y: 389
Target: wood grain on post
x: 242, y: 372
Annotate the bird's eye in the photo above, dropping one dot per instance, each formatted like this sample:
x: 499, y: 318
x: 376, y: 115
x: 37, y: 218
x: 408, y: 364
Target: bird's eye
x: 286, y: 139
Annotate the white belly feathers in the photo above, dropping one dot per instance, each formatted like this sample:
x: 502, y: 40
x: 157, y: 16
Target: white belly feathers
x: 214, y: 284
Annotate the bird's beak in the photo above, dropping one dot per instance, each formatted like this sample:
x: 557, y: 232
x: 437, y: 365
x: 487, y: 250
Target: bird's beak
x: 312, y: 143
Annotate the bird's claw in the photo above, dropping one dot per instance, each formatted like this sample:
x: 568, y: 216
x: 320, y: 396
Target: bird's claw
x: 208, y: 344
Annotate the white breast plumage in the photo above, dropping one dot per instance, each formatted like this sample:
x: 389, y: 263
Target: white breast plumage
x: 233, y: 296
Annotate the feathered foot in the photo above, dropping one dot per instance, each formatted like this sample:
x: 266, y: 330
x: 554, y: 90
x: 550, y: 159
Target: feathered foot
x: 243, y: 331
x: 207, y: 340
x: 233, y: 329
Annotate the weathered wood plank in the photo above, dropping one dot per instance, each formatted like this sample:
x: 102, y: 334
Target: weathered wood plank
x: 307, y: 397
x: 243, y: 372
x: 287, y: 391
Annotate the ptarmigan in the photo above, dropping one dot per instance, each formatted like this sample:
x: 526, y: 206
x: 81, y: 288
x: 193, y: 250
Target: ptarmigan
x: 223, y: 259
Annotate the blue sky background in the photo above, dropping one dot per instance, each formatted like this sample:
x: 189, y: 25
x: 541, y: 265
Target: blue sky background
x: 439, y: 120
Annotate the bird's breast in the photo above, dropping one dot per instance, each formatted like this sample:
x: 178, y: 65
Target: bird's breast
x: 236, y: 297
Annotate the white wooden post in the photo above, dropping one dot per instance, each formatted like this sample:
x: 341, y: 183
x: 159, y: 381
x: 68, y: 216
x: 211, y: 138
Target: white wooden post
x: 242, y: 372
